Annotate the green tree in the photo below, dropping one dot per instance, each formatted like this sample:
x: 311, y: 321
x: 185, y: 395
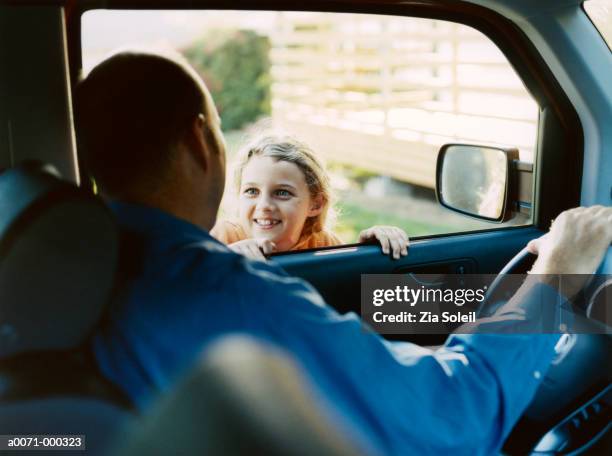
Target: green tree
x: 236, y: 68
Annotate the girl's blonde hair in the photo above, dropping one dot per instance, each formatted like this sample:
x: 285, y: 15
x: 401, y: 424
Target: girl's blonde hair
x: 289, y: 149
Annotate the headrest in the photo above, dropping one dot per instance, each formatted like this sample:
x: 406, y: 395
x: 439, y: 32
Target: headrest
x: 58, y: 257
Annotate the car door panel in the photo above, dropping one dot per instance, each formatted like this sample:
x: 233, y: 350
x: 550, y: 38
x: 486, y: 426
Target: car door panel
x: 336, y: 272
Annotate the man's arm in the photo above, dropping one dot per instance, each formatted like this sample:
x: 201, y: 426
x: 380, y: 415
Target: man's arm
x: 464, y: 398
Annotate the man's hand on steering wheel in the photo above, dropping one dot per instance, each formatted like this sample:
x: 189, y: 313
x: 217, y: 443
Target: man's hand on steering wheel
x: 576, y: 244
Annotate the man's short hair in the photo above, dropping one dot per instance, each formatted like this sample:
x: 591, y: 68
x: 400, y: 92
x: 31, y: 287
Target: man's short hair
x: 130, y: 111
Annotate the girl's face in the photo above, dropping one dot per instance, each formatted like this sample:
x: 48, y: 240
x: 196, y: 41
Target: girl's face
x: 274, y: 201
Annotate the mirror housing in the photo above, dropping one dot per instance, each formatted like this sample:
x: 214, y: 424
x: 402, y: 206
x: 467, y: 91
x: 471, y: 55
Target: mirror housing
x: 476, y: 180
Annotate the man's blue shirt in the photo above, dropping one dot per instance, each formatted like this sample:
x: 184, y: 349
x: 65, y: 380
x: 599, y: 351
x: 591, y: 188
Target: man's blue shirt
x: 186, y: 289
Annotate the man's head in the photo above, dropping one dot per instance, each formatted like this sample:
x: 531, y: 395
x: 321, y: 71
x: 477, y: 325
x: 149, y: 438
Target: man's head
x: 147, y: 127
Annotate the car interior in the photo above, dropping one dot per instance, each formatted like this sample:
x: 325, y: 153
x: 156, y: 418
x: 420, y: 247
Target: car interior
x: 60, y: 250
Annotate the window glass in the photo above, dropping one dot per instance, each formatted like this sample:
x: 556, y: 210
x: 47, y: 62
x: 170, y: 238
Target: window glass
x: 375, y: 96
x: 600, y: 12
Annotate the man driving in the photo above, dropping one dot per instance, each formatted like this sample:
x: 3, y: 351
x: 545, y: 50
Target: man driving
x: 150, y: 135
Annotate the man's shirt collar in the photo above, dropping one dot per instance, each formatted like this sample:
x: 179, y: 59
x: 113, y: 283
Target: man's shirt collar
x: 155, y: 223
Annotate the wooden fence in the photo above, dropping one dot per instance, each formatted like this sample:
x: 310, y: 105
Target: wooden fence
x: 384, y: 93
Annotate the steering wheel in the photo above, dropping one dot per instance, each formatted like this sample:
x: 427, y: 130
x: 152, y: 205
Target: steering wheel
x: 564, y: 416
x: 592, y: 299
x: 494, y: 299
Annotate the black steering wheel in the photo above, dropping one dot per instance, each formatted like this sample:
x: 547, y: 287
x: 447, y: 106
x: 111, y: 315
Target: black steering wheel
x: 591, y: 300
x: 520, y: 263
x: 566, y: 415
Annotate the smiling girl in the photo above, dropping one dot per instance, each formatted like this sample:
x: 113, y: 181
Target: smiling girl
x: 284, y: 200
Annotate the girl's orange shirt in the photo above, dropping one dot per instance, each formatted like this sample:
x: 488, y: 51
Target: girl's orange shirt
x: 229, y: 232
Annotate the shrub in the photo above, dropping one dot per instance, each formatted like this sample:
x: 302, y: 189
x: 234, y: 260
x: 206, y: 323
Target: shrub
x: 236, y: 68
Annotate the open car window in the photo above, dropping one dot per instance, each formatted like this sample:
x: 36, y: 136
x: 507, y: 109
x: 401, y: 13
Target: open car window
x: 375, y: 96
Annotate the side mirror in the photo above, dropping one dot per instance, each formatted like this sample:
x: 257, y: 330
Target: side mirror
x: 475, y: 180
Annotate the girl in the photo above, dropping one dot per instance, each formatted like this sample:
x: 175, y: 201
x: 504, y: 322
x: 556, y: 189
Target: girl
x: 284, y: 200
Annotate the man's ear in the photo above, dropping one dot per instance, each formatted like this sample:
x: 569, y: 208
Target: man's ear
x: 196, y: 140
x: 316, y: 205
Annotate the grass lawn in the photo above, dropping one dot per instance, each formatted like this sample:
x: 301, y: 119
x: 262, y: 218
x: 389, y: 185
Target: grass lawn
x: 353, y: 218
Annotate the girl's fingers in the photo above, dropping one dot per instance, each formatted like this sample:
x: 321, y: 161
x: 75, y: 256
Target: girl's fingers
x: 392, y: 240
x: 267, y: 246
x: 236, y: 248
x: 395, y: 246
x: 248, y: 249
x: 255, y: 253
x: 398, y: 241
x: 365, y: 235
x: 403, y: 240
x: 383, y: 238
x: 405, y: 245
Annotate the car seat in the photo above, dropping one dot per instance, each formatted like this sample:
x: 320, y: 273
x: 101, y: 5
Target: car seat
x: 58, y: 261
